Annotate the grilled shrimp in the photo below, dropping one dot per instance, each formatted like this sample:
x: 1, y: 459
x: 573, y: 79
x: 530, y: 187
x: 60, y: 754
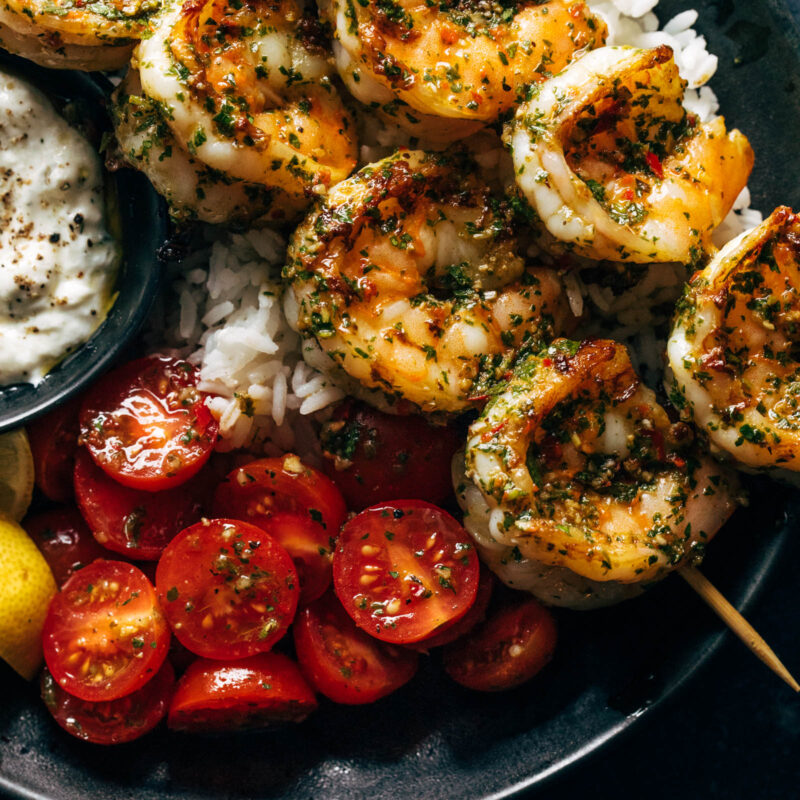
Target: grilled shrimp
x: 617, y: 169
x: 244, y: 89
x: 580, y: 467
x: 445, y: 69
x: 733, y: 352
x: 408, y: 278
x: 193, y: 190
x: 64, y: 34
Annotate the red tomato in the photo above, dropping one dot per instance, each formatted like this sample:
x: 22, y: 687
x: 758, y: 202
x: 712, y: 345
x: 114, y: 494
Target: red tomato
x: 404, y: 570
x: 344, y: 663
x: 104, y: 636
x: 146, y: 423
x: 372, y: 456
x: 268, y: 492
x: 111, y: 721
x: 476, y: 614
x: 506, y: 650
x: 129, y: 521
x: 240, y: 695
x: 64, y: 539
x: 227, y: 588
x: 54, y: 440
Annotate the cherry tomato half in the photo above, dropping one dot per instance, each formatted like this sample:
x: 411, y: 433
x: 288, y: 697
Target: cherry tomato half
x: 54, y: 441
x: 255, y: 692
x: 507, y: 650
x: 132, y: 522
x: 111, y: 721
x: 64, y: 539
x: 297, y: 505
x: 146, y: 423
x: 104, y: 635
x: 372, y: 456
x: 404, y: 570
x: 344, y: 663
x: 227, y: 588
x: 477, y: 613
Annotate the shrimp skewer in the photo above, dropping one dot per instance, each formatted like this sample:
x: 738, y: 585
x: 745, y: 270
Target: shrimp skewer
x: 244, y: 90
x: 617, y: 169
x: 408, y: 278
x: 733, y: 348
x: 579, y: 467
x: 443, y: 70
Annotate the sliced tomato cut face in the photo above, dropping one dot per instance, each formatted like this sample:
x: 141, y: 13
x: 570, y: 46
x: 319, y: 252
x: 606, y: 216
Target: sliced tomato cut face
x: 54, y: 442
x: 297, y: 505
x: 256, y: 491
x: 146, y: 423
x: 255, y: 692
x: 111, y: 721
x: 310, y: 548
x: 506, y: 650
x: 404, y: 570
x: 227, y: 588
x: 65, y: 541
x: 104, y: 636
x: 476, y: 614
x: 344, y: 663
x: 372, y: 456
x: 135, y: 523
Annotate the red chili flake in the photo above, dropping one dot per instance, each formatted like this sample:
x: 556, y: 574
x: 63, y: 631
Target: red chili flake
x: 654, y: 163
x: 676, y: 461
x: 547, y: 362
x: 477, y: 97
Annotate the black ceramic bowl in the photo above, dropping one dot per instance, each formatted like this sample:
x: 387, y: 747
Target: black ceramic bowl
x: 143, y: 222
x: 433, y: 740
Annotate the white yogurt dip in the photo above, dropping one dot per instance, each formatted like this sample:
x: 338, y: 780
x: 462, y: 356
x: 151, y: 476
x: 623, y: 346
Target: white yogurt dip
x: 58, y: 260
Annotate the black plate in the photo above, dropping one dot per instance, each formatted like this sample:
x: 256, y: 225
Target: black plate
x: 432, y: 739
x: 143, y: 221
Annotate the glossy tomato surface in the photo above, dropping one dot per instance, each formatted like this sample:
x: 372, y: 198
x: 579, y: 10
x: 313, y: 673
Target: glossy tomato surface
x: 227, y: 588
x: 104, y: 635
x: 135, y: 523
x: 146, y: 424
x: 404, y: 570
x: 476, y: 614
x: 256, y: 491
x: 295, y: 504
x: 54, y: 441
x: 507, y: 650
x: 254, y: 692
x: 111, y: 721
x: 344, y: 663
x: 373, y: 457
x: 64, y: 539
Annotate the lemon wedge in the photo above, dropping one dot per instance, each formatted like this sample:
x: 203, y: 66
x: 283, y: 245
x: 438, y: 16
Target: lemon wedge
x: 26, y: 586
x: 16, y: 474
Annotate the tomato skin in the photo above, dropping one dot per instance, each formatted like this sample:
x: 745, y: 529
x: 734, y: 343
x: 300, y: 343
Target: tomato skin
x: 132, y: 522
x: 344, y: 663
x: 54, y: 442
x: 297, y: 505
x: 146, y: 424
x: 507, y: 650
x: 111, y: 721
x: 106, y: 616
x: 64, y: 539
x: 404, y: 570
x: 227, y: 589
x: 372, y: 456
x: 217, y: 696
x: 462, y: 626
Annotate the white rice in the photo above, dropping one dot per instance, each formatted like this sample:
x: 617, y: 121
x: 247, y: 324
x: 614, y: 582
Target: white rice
x: 225, y: 313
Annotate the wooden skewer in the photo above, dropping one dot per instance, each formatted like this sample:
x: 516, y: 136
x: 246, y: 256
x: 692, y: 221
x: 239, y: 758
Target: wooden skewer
x: 736, y: 622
